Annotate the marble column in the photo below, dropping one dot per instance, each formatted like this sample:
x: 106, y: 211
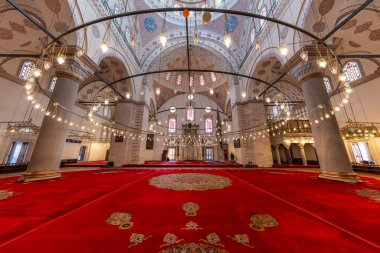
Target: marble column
x: 303, y: 155
x: 288, y: 154
x: 46, y: 157
x: 124, y: 152
x: 332, y: 154
x: 276, y: 148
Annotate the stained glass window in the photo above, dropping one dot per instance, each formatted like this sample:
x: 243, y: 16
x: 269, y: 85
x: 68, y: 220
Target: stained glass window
x: 263, y: 12
x: 190, y: 114
x: 328, y: 85
x: 27, y: 69
x: 168, y: 75
x: 52, y: 84
x: 208, y: 125
x: 213, y: 76
x: 179, y: 79
x: 202, y: 80
x: 352, y: 71
x: 172, y: 125
x: 191, y: 81
x: 253, y: 35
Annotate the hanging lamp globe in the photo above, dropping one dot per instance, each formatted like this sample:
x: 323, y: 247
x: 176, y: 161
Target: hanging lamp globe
x: 186, y: 13
x: 206, y: 17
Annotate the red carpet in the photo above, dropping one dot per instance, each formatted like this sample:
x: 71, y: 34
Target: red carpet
x: 87, y: 164
x: 302, y: 213
x: 188, y: 164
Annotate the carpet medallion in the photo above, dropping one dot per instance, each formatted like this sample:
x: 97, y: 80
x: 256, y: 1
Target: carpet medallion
x: 205, y: 211
x: 190, y: 181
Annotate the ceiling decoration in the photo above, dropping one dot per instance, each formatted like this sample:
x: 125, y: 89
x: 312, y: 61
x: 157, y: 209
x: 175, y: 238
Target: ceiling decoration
x: 232, y: 23
x: 150, y: 24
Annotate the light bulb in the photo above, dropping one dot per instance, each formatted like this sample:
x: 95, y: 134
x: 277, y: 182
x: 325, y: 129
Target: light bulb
x: 334, y: 70
x: 284, y: 50
x: 196, y: 39
x: 28, y: 86
x: 257, y: 45
x: 128, y: 95
x: 349, y: 90
x: 59, y: 119
x: 342, y: 77
x: 47, y: 65
x: 345, y: 100
x: 37, y: 72
x: 132, y: 42
x: 244, y: 94
x: 61, y: 59
x: 211, y: 91
x: 37, y: 106
x: 30, y: 97
x: 227, y: 40
x: 322, y: 63
x: 158, y: 91
x: 163, y: 39
x: 80, y: 52
x: 267, y: 99
x: 104, y: 46
x: 304, y: 55
x: 106, y: 101
x: 47, y: 113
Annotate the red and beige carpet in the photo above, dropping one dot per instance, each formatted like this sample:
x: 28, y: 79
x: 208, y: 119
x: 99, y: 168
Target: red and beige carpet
x: 175, y: 211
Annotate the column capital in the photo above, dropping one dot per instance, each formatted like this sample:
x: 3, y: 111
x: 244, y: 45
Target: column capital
x: 74, y: 69
x: 301, y: 145
x: 307, y: 70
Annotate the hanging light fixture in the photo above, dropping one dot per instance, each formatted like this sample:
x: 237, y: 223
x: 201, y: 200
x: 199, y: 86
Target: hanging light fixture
x: 106, y: 101
x: 104, y: 46
x: 211, y: 91
x: 163, y: 39
x: 128, y: 95
x: 61, y: 59
x: 284, y: 50
x: 243, y: 94
x: 227, y: 40
x: 322, y: 63
x: 158, y: 91
x: 37, y: 72
x: 342, y: 77
x: 304, y: 55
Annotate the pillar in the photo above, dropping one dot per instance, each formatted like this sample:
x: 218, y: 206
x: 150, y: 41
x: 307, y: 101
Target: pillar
x: 288, y: 154
x: 276, y: 148
x: 46, y: 157
x: 332, y: 154
x: 128, y: 114
x: 303, y: 155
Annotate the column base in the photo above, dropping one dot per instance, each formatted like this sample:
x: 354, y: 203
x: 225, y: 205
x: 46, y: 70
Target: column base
x: 348, y: 177
x: 30, y: 176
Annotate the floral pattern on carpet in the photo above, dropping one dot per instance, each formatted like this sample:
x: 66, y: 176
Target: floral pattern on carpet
x: 369, y: 193
x: 123, y: 220
x: 261, y: 221
x: 190, y: 208
x: 190, y: 181
x: 5, y: 194
x: 194, y: 247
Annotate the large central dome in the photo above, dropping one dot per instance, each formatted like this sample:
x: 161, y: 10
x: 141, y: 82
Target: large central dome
x: 177, y: 18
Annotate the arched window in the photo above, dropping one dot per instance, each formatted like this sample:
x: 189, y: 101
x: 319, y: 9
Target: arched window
x: 352, y: 71
x: 172, y: 125
x: 202, y: 80
x: 327, y: 83
x: 275, y: 111
x: 190, y: 114
x: 208, y: 125
x: 168, y: 75
x: 52, y: 84
x: 106, y: 111
x: 27, y: 69
x: 263, y: 12
x: 213, y: 76
x: 253, y: 35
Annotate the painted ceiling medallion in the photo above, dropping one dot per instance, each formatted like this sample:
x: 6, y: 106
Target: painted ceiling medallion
x: 150, y: 24
x: 232, y: 23
x: 190, y: 182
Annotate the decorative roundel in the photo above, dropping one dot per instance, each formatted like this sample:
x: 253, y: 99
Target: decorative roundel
x: 190, y: 96
x: 232, y: 23
x: 172, y: 109
x: 150, y: 24
x: 207, y: 109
